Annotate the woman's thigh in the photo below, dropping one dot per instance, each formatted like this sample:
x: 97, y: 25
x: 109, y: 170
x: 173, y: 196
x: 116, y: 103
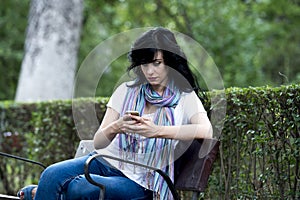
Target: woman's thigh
x: 68, y: 169
x: 116, y: 187
x: 55, y: 179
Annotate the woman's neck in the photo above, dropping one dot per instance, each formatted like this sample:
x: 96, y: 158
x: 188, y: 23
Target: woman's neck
x: 149, y: 109
x: 159, y: 89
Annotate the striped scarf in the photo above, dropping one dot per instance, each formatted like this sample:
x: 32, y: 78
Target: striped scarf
x: 158, y: 152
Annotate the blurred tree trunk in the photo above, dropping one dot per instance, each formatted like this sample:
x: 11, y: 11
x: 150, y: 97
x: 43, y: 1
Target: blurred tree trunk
x: 50, y: 59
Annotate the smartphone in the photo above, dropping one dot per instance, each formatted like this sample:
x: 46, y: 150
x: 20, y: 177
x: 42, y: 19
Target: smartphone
x: 133, y: 112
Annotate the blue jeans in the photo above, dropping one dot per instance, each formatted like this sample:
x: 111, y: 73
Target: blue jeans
x: 66, y: 180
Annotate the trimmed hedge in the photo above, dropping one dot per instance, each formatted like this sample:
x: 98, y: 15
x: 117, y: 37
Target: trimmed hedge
x: 43, y: 131
x: 259, y: 154
x: 260, y: 145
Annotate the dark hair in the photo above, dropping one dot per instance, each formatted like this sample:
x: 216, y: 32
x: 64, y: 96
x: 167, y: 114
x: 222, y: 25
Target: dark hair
x: 160, y: 39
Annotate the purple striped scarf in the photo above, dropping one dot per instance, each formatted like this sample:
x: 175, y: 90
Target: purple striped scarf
x: 158, y: 151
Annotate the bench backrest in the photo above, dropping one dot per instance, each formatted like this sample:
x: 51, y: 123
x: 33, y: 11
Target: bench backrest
x: 84, y: 147
x: 194, y: 167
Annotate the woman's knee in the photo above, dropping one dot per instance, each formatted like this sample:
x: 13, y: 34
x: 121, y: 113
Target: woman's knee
x: 54, y: 173
x: 49, y: 173
x: 80, y: 188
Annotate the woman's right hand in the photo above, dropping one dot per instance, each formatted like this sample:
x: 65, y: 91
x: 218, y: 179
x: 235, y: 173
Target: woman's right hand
x: 125, y: 122
x: 112, y: 124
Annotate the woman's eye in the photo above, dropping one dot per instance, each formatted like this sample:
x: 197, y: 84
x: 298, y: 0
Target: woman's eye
x: 156, y: 63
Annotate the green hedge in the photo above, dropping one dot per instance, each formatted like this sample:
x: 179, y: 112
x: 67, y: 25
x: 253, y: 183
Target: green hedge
x: 259, y: 152
x: 44, y: 132
x: 260, y: 145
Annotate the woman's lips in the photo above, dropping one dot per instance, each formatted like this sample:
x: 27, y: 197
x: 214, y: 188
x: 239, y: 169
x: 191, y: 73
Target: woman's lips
x: 152, y: 78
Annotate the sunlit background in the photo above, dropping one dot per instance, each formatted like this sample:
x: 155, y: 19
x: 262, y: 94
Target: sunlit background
x: 253, y: 43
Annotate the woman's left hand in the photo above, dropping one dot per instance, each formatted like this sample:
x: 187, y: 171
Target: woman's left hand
x: 143, y: 126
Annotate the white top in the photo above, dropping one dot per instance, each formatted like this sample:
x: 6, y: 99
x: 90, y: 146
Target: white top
x: 188, y: 105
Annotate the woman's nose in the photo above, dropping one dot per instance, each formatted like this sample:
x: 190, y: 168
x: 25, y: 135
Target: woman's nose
x: 150, y: 69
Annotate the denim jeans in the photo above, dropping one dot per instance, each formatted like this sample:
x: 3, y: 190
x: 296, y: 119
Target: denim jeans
x: 65, y: 180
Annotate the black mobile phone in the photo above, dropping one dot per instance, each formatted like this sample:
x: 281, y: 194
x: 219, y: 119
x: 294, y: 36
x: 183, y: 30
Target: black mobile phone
x: 133, y: 112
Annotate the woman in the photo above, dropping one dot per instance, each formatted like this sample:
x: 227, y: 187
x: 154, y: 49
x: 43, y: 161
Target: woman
x: 164, y: 93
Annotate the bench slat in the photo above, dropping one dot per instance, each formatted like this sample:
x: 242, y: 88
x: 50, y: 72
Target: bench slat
x: 8, y: 197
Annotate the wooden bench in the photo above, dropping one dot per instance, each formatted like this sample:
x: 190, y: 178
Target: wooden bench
x: 192, y: 169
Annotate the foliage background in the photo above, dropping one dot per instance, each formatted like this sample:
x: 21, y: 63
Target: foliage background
x: 253, y: 43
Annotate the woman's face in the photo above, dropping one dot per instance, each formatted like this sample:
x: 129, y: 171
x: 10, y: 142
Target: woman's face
x: 156, y: 72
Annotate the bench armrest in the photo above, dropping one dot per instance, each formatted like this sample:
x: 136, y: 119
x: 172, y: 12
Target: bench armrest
x: 102, y: 188
x: 22, y: 159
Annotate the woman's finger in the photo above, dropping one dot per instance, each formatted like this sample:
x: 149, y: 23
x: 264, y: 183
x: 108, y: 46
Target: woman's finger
x: 137, y: 118
x: 126, y: 117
